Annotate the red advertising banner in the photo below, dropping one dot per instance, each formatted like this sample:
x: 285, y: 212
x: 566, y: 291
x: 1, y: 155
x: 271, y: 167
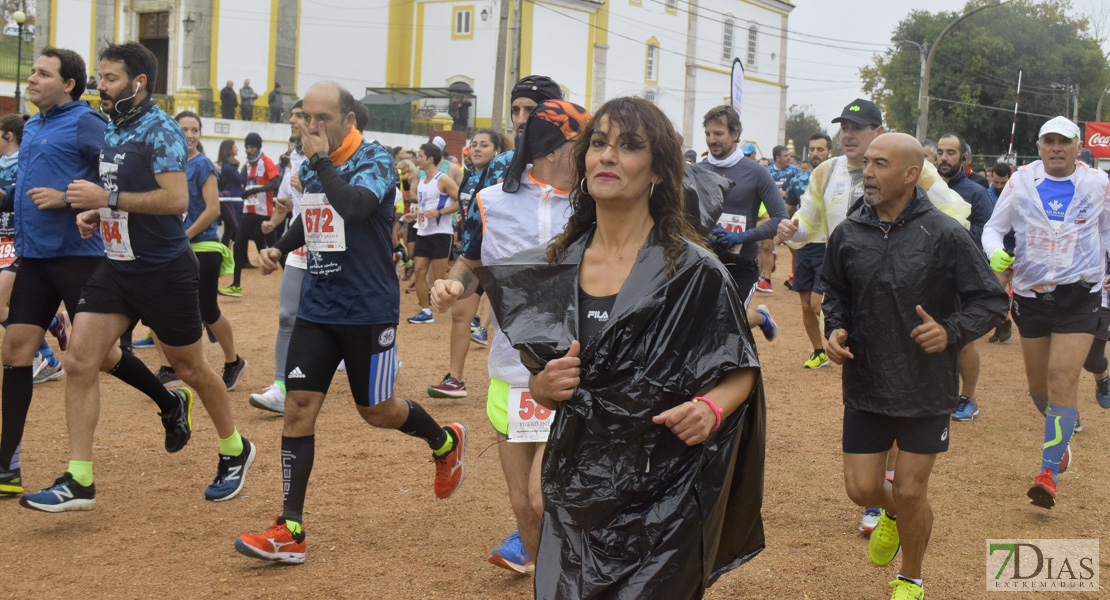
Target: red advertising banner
x: 1097, y: 138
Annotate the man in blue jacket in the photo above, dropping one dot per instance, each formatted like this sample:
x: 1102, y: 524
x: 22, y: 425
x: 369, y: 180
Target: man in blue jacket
x: 952, y: 153
x: 60, y: 144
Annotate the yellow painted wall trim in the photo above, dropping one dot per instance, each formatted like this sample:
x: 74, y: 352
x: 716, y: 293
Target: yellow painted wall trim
x: 455, y: 10
x: 746, y: 77
x: 668, y: 9
x: 92, y: 37
x: 399, y: 44
x: 527, y: 10
x: 591, y: 42
x: 116, y: 19
x: 651, y: 43
x: 563, y: 7
x: 54, y: 22
x: 757, y: 5
x: 483, y: 122
x: 418, y: 52
x: 270, y: 77
x: 213, y: 52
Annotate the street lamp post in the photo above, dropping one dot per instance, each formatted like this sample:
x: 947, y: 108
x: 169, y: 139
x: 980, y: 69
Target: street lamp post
x: 923, y: 100
x: 20, y: 18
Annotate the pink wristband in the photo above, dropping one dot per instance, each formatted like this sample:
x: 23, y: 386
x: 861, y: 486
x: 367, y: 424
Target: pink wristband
x: 716, y: 411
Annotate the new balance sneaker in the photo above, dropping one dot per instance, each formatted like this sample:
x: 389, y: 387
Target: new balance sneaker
x: 232, y: 290
x: 1102, y: 391
x: 168, y: 377
x: 764, y: 286
x: 146, y: 342
x: 271, y: 399
x: 869, y: 521
x: 65, y: 495
x: 817, y: 360
x: 884, y: 544
x: 11, y: 482
x: 475, y: 325
x: 59, y: 328
x: 277, y: 544
x: 906, y: 590
x: 422, y: 317
x: 512, y: 556
x: 230, y: 474
x: 481, y: 336
x: 967, y: 410
x: 179, y: 422
x: 45, y: 371
x: 233, y: 372
x: 769, y: 328
x: 450, y: 468
x: 448, y: 388
x: 1043, y: 492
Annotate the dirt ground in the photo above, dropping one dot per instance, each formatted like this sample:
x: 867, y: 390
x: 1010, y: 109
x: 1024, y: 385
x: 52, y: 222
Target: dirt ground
x: 375, y: 529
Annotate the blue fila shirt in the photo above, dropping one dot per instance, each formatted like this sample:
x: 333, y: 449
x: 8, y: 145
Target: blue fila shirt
x: 146, y: 143
x: 1056, y: 195
x: 356, y: 286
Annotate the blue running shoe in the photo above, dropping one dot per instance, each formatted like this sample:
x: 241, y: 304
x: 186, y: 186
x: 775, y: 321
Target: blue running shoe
x: 768, y: 327
x: 480, y: 336
x: 65, y: 495
x: 1102, y: 391
x: 146, y: 342
x: 967, y: 410
x: 475, y: 324
x: 422, y: 317
x: 230, y: 474
x: 511, y: 555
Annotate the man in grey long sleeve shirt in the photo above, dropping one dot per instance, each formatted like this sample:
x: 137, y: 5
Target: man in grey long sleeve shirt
x: 737, y: 235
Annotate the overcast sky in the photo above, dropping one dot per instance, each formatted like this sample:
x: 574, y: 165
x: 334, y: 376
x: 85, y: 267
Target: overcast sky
x: 828, y: 77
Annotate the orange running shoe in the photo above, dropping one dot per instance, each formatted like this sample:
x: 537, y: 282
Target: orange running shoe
x: 450, y: 469
x: 276, y: 544
x: 1043, y: 492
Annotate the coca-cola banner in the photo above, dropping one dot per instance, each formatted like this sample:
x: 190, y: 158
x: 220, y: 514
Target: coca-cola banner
x: 1097, y: 138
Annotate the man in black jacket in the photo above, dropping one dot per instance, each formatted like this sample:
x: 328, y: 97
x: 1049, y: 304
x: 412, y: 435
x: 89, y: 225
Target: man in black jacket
x: 905, y: 288
x: 228, y: 100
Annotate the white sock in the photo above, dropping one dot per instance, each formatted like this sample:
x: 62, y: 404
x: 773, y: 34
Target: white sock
x: 426, y: 311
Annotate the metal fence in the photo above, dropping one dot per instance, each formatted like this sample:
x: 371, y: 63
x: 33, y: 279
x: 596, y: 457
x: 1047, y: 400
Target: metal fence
x: 164, y: 101
x: 259, y: 113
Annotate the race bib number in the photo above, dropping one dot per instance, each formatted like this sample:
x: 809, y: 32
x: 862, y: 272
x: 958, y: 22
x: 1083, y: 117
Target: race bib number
x: 7, y: 252
x: 324, y: 230
x: 528, y: 420
x: 735, y: 224
x: 113, y: 230
x: 421, y: 221
x: 1055, y: 252
x: 297, y: 258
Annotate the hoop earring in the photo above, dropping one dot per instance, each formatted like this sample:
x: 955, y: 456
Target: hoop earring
x: 651, y: 192
x: 582, y: 187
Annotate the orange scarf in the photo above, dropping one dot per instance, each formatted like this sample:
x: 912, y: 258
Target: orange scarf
x: 347, y: 149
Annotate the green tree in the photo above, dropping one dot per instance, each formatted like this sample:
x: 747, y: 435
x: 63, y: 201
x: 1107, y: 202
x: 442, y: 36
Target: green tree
x: 801, y: 122
x: 975, y: 71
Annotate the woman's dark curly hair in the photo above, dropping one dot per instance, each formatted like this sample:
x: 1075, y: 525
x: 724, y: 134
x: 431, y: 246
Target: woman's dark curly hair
x: 666, y: 205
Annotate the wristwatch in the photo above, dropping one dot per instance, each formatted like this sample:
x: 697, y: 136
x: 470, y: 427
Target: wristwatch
x: 113, y: 200
x: 314, y: 161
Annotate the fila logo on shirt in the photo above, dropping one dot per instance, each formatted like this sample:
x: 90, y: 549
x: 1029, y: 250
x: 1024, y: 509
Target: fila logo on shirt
x: 600, y: 315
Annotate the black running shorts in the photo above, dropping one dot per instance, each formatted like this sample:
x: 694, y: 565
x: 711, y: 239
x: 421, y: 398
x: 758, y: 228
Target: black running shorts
x: 315, y: 350
x: 873, y: 433
x: 1067, y: 309
x: 166, y: 300
x: 42, y: 283
x: 434, y: 246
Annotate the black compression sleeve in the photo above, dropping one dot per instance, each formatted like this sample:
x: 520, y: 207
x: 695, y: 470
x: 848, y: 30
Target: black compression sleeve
x: 293, y: 238
x: 352, y: 202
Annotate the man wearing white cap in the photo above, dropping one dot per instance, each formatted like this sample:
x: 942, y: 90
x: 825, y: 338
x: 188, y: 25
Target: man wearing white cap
x: 1056, y: 207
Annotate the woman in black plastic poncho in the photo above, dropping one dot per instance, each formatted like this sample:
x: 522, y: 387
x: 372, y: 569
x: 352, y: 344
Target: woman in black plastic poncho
x: 654, y: 468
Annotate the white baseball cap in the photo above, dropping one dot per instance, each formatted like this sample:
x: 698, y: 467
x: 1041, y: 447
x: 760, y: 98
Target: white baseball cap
x: 1060, y: 125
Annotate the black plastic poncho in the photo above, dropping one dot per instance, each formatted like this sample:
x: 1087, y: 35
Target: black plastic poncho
x: 630, y: 510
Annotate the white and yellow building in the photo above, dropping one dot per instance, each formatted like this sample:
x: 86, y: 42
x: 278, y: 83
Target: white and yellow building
x: 677, y: 53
